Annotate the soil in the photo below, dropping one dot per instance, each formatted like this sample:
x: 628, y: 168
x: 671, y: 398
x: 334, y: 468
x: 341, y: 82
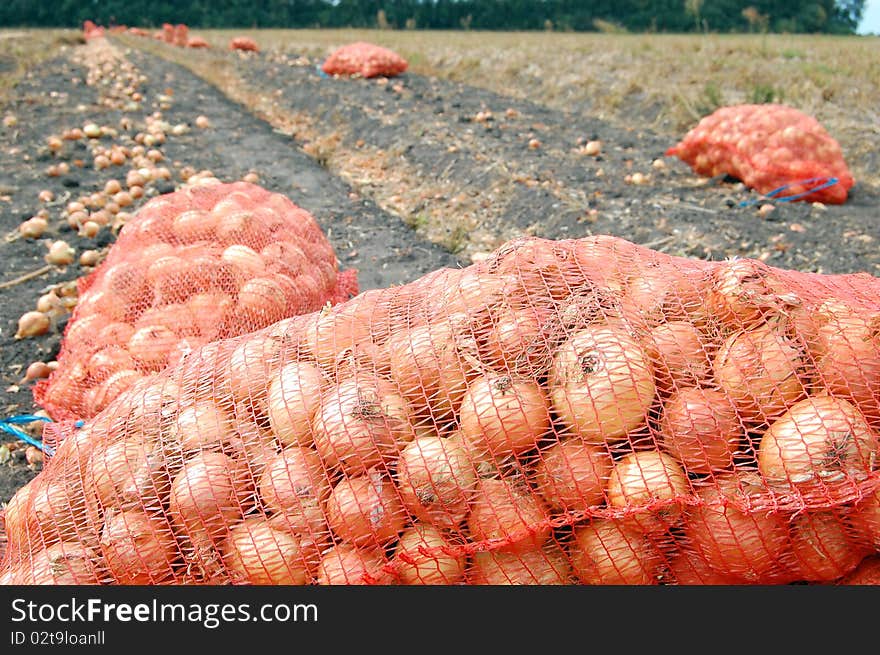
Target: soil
x: 427, y: 125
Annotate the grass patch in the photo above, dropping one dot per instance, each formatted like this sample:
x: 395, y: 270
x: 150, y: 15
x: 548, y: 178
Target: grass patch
x: 21, y: 50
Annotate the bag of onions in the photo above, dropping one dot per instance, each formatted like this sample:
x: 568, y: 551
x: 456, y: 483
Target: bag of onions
x: 586, y: 411
x: 193, y: 266
x: 364, y: 59
x: 768, y: 147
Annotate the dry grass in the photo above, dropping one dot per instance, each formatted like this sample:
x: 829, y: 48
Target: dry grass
x: 20, y: 50
x: 664, y: 82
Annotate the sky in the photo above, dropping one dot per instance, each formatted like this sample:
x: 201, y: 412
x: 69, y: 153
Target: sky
x: 871, y: 18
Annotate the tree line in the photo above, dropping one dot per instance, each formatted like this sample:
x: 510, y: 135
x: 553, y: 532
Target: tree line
x: 817, y: 16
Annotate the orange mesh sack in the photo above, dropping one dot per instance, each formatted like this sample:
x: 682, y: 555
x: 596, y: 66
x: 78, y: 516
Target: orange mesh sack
x: 364, y: 59
x: 584, y: 411
x: 181, y: 35
x: 768, y: 147
x: 201, y: 264
x: 168, y: 32
x: 243, y: 43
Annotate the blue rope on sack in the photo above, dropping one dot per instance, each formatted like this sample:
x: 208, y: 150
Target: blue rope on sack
x: 8, y: 425
x: 321, y: 72
x: 826, y: 182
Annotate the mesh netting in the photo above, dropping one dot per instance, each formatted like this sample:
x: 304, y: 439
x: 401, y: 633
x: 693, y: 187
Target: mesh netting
x: 201, y: 264
x: 364, y: 59
x: 243, y: 43
x: 768, y: 147
x: 584, y: 411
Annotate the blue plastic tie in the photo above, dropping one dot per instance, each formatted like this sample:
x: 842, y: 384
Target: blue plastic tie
x: 8, y: 426
x: 826, y: 182
x: 321, y: 72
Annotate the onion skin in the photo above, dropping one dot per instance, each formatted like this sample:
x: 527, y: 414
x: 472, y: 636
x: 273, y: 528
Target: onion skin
x: 601, y: 384
x: 258, y: 552
x: 541, y: 566
x: 641, y: 480
x: 504, y: 511
x: 365, y: 510
x: 346, y: 565
x: 868, y: 573
x: 139, y: 548
x: 820, y: 442
x: 865, y: 519
x: 437, y: 566
x: 701, y: 429
x: 608, y: 552
x: 572, y: 474
x: 436, y: 480
x: 506, y: 415
x: 762, y: 371
x: 202, y: 425
x: 677, y: 355
x: 686, y: 567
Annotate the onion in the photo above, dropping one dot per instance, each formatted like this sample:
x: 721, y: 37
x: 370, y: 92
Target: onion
x: 865, y: 519
x: 365, y: 510
x: 572, y: 474
x: 32, y: 324
x: 505, y: 512
x: 115, y: 334
x: 346, y: 565
x: 761, y: 371
x: 202, y: 425
x: 210, y: 492
x: 247, y: 260
x: 176, y: 317
x: 63, y: 563
x: 518, y: 340
x: 262, y: 301
x: 295, y: 483
x: 601, y: 384
x: 506, y: 415
x: 340, y: 328
x: 109, y: 360
x: 823, y: 547
x: 608, y: 552
x: 539, y: 566
x: 193, y: 225
x: 361, y: 422
x: 151, y: 346
x: 259, y: 552
x: 742, y: 543
x: 542, y: 268
x: 868, y: 573
x: 744, y: 292
x: 436, y: 480
x: 660, y: 292
x: 128, y: 472
x: 430, y: 366
x: 677, y: 355
x: 210, y: 311
x: 139, y: 548
x: 688, y: 568
x: 820, y: 441
x: 294, y: 396
x: 701, y: 429
x: 284, y: 257
x: 423, y: 556
x: 110, y: 389
x: 847, y: 356
x: 653, y: 485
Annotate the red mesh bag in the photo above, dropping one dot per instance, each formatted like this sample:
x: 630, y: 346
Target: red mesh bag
x: 243, y: 43
x: 768, y: 147
x: 92, y: 31
x: 197, y: 42
x: 168, y: 32
x: 365, y: 59
x: 181, y: 35
x: 201, y: 264
x: 584, y: 411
